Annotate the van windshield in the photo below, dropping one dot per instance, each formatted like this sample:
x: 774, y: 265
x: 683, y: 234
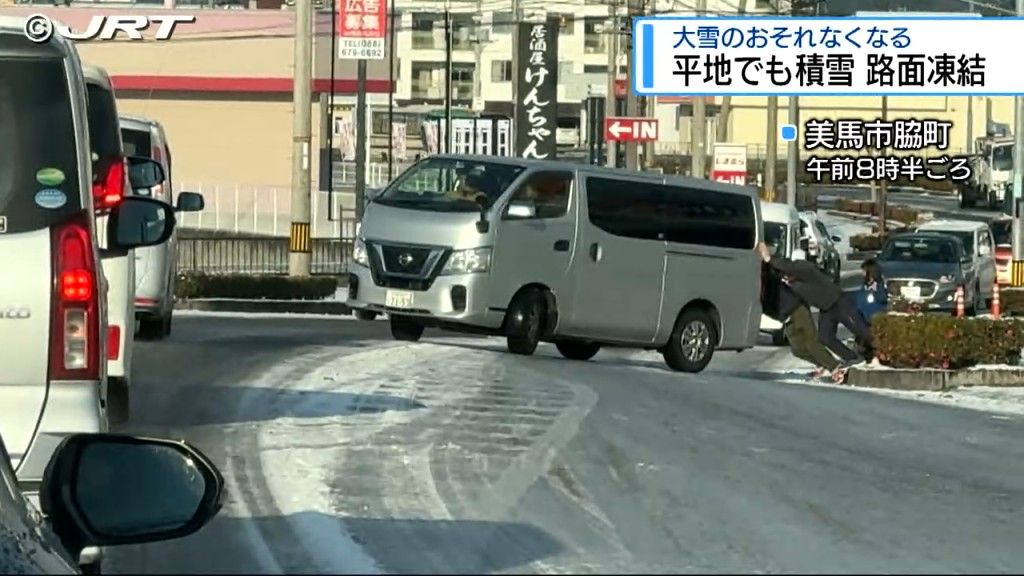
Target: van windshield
x: 449, y: 185
x: 39, y: 183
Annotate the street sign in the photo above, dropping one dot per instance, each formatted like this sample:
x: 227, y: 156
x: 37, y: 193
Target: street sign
x: 362, y: 29
x: 730, y: 163
x: 625, y: 129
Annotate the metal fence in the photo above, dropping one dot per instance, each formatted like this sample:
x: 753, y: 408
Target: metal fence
x: 258, y: 255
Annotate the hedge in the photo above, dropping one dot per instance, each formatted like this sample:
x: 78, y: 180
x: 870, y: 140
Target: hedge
x: 901, y: 214
x: 254, y: 287
x: 1011, y: 301
x: 866, y: 243
x: 945, y: 342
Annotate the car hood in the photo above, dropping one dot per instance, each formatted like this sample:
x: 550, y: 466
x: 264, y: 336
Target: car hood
x: 926, y: 270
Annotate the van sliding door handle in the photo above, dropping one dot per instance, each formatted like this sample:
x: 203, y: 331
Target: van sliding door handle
x: 595, y: 252
x: 562, y: 246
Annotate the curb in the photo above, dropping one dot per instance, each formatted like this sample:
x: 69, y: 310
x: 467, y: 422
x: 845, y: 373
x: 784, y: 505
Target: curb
x: 332, y: 308
x: 933, y: 380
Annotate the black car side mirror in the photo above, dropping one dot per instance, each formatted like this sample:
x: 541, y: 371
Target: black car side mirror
x: 137, y: 222
x: 112, y: 489
x: 144, y: 172
x: 190, y: 202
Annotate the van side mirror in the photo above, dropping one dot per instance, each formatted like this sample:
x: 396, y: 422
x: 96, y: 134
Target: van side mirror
x: 482, y: 225
x: 137, y: 222
x: 984, y: 250
x: 190, y: 202
x: 112, y: 489
x: 144, y: 172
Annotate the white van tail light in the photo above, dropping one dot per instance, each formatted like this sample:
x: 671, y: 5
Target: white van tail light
x: 74, y: 331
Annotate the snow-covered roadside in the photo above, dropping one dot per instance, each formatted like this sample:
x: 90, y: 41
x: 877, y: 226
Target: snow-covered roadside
x: 1002, y: 401
x: 265, y: 315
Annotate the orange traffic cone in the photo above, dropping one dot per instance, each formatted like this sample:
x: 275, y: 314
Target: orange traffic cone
x: 959, y: 301
x: 996, y: 312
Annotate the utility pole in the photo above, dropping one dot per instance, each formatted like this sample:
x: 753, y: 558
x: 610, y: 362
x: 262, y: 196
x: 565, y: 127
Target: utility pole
x: 610, y: 100
x: 722, y: 133
x: 1017, y: 267
x: 448, y: 78
x: 479, y: 34
x: 391, y: 93
x: 632, y: 101
x: 793, y: 153
x: 516, y: 18
x: 699, y: 124
x: 883, y: 184
x: 771, y: 146
x: 299, y: 243
x: 361, y: 116
x: 969, y: 148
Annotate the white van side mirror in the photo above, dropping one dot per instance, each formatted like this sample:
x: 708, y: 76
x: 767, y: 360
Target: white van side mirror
x: 799, y: 254
x: 984, y: 250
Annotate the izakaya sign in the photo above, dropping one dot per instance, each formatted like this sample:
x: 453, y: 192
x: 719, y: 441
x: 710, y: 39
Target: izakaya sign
x: 362, y: 27
x: 537, y: 90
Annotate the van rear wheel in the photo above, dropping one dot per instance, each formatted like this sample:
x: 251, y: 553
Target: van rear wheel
x: 577, y: 349
x: 405, y: 328
x: 693, y: 342
x: 525, y: 322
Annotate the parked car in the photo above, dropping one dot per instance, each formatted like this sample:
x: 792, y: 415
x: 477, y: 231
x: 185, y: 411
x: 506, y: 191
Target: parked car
x: 110, y: 185
x: 156, y: 267
x: 105, y: 490
x: 820, y: 246
x: 976, y: 238
x: 926, y: 268
x: 1002, y: 237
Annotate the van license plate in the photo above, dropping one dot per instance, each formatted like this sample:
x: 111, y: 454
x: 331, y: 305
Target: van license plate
x: 912, y: 292
x: 398, y: 299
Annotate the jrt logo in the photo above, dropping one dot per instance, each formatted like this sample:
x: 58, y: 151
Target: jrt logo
x: 39, y: 28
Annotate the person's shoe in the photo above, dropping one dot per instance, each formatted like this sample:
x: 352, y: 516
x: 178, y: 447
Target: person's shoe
x: 819, y: 372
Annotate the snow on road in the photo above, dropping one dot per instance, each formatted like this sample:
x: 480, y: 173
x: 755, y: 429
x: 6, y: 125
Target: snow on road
x: 379, y: 435
x: 1000, y: 401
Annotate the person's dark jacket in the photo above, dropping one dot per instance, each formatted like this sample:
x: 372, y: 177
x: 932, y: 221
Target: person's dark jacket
x: 809, y: 283
x: 778, y: 301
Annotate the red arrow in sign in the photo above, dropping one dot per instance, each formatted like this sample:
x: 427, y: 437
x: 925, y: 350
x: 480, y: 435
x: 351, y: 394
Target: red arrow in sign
x: 622, y: 129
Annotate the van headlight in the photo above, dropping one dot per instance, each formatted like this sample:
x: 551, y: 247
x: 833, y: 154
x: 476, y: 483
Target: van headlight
x: 359, y: 253
x: 468, y: 261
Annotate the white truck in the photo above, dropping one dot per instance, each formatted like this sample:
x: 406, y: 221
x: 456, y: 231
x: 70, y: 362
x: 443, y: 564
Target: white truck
x: 991, y: 172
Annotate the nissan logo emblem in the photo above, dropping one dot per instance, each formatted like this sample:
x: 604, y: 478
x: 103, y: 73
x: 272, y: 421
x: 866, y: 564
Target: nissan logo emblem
x: 405, y: 259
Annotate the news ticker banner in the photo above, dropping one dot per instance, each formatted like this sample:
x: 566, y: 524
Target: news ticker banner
x: 911, y: 56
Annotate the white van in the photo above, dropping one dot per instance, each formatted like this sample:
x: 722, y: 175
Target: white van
x: 54, y: 323
x: 156, y: 267
x: 577, y: 255
x: 782, y: 235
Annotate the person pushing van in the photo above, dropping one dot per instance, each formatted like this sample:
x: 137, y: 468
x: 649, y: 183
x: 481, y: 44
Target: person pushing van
x: 782, y: 304
x: 818, y: 290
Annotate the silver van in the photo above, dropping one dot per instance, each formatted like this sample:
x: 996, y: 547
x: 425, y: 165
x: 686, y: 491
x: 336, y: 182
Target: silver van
x: 573, y: 254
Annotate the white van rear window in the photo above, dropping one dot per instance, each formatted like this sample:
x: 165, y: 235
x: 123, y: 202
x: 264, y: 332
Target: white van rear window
x: 39, y: 184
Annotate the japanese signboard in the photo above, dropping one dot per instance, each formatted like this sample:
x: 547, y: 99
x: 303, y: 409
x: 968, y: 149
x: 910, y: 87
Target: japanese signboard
x: 730, y: 163
x: 621, y: 129
x: 362, y: 29
x: 537, y: 90
x: 826, y: 56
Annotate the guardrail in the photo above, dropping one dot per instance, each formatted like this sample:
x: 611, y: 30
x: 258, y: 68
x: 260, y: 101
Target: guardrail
x: 257, y: 255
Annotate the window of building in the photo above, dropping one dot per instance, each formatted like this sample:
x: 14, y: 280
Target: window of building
x: 501, y: 22
x: 595, y: 69
x: 423, y: 25
x: 501, y: 71
x: 595, y: 35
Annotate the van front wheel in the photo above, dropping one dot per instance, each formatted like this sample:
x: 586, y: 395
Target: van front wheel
x: 577, y: 349
x: 525, y: 322
x: 405, y: 329
x: 692, y: 343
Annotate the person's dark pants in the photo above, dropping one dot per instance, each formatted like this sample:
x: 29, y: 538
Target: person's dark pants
x: 844, y: 312
x: 804, y: 342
